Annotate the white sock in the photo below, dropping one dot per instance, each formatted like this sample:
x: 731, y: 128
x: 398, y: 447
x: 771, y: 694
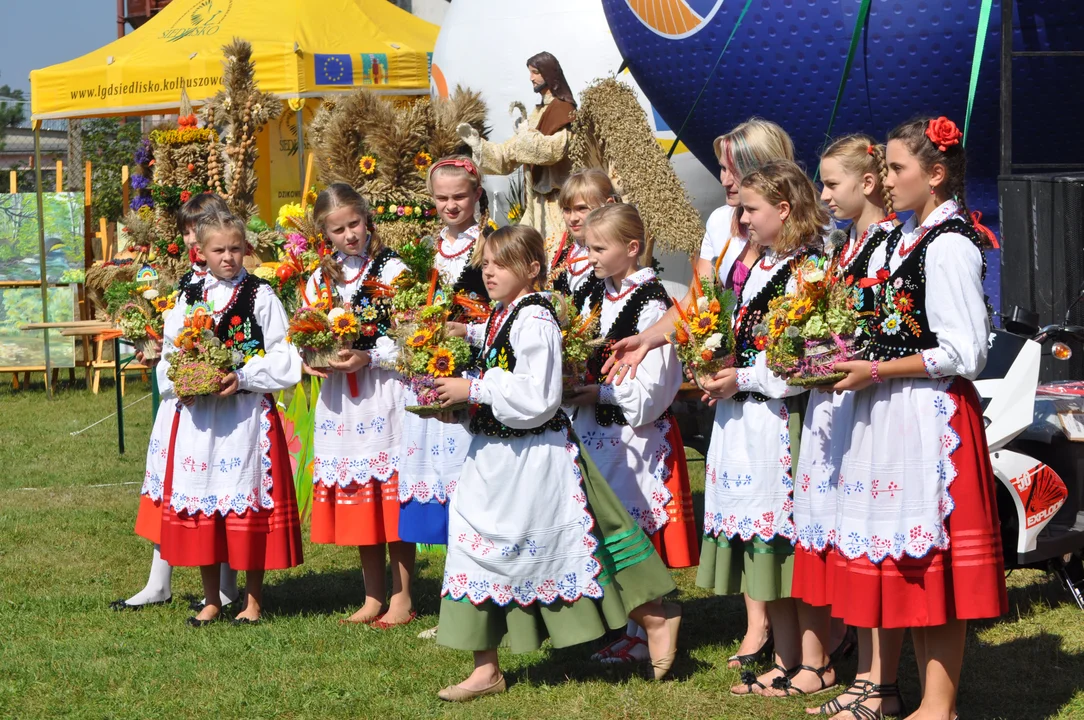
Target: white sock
x: 159, y: 582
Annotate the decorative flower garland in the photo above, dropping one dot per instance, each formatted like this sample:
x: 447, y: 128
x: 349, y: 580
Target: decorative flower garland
x: 408, y: 212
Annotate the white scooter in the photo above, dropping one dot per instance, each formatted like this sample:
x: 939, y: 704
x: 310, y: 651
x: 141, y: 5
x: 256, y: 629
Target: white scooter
x: 1031, y: 430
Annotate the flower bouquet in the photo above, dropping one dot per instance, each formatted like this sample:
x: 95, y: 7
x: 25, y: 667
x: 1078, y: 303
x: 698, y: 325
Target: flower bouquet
x: 421, y: 309
x: 138, y: 308
x: 201, y: 362
x: 320, y: 334
x: 579, y: 341
x: 806, y: 332
x: 703, y: 335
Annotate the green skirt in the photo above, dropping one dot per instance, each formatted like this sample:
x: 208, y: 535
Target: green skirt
x: 761, y: 569
x: 632, y: 574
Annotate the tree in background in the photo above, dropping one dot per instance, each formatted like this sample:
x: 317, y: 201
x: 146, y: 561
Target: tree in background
x: 11, y: 113
x: 109, y: 144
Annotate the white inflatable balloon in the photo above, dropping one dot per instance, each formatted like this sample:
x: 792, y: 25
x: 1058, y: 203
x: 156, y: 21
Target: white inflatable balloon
x: 484, y: 45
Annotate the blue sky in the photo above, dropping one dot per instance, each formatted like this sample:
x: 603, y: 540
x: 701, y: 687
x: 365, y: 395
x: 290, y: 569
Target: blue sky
x: 38, y: 33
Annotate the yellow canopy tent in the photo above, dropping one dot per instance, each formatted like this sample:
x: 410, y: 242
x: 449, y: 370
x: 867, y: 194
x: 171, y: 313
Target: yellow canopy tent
x: 301, y: 48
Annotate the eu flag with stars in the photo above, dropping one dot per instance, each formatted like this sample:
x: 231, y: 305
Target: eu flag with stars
x: 334, y: 69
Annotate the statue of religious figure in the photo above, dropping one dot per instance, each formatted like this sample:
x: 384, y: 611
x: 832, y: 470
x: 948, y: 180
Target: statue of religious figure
x: 540, y: 145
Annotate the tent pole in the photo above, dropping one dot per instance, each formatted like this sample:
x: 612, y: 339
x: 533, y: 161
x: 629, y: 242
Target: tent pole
x: 301, y: 151
x: 41, y: 259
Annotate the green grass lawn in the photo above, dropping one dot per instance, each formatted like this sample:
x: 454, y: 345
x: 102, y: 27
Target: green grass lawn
x: 67, y: 508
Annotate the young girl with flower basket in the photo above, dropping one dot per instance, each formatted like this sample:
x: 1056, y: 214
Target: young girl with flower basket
x: 433, y: 451
x: 149, y: 518
x: 359, y: 413
x: 748, y: 528
x: 539, y: 545
x: 629, y: 430
x: 917, y: 529
x: 726, y: 256
x: 228, y: 490
x: 583, y: 192
x: 852, y: 170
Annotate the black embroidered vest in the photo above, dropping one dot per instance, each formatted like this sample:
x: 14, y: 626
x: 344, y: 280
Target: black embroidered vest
x: 626, y: 324
x: 238, y: 328
x: 470, y: 282
x: 901, y: 325
x: 373, y: 310
x: 501, y: 354
x: 866, y: 298
x: 191, y: 287
x: 751, y: 314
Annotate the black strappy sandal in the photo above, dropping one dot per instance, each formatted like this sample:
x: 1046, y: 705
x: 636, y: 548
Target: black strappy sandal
x: 749, y: 679
x: 762, y: 655
x: 786, y: 683
x: 858, y: 689
x: 876, y: 692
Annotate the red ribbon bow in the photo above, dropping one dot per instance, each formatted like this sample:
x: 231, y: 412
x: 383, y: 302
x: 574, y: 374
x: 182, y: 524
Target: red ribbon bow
x: 455, y: 162
x: 869, y: 282
x: 976, y: 220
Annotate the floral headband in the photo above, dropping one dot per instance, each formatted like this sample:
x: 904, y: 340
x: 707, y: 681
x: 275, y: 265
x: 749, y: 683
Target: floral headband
x: 455, y: 162
x: 943, y: 133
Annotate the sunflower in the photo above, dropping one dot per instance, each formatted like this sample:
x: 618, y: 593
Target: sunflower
x: 367, y: 163
x: 345, y: 324
x: 422, y: 161
x: 161, y: 304
x: 187, y: 338
x: 705, y: 323
x: 420, y: 338
x: 442, y: 364
x: 799, y: 309
x: 776, y: 325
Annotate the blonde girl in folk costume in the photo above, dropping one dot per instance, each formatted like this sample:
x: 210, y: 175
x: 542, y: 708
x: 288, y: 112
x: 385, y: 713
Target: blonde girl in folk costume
x: 852, y: 169
x: 359, y: 414
x: 539, y: 546
x: 726, y: 255
x: 228, y: 490
x: 433, y: 451
x: 158, y: 589
x: 917, y: 525
x: 570, y: 271
x: 628, y: 429
x: 748, y: 527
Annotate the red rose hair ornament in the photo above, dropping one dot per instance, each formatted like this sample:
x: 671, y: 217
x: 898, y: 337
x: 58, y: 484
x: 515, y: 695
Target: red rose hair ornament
x: 943, y: 133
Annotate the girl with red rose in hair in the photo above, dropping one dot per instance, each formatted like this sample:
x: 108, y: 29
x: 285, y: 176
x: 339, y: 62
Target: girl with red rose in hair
x: 917, y: 526
x: 359, y: 414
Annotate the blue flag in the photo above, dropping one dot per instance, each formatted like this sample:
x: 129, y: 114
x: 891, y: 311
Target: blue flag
x: 334, y: 69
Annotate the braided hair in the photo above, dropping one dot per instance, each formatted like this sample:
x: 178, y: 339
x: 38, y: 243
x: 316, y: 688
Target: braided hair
x: 860, y: 154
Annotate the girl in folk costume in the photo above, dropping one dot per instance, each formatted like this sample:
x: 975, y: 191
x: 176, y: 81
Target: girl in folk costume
x: 539, y: 545
x: 359, y: 413
x: 433, y: 451
x: 628, y: 429
x: 726, y: 255
x: 149, y: 518
x: 570, y: 271
x: 917, y: 524
x: 852, y: 170
x: 228, y: 490
x: 748, y: 527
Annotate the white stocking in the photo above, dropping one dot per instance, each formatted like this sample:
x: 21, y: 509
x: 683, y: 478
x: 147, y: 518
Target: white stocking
x: 158, y: 588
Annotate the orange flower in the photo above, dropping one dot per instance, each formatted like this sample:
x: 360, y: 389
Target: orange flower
x: 681, y: 335
x: 345, y: 324
x: 714, y: 307
x: 442, y: 364
x: 706, y: 355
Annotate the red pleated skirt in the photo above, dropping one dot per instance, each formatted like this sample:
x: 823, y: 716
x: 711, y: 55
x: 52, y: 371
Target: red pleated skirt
x: 812, y: 578
x: 356, y: 515
x: 255, y: 540
x: 965, y: 582
x: 678, y: 542
x: 149, y: 519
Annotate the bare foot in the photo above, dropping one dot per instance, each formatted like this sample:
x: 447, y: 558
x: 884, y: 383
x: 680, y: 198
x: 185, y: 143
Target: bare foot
x: 399, y: 611
x: 371, y: 610
x: 751, y: 644
x: 250, y: 613
x: 209, y: 612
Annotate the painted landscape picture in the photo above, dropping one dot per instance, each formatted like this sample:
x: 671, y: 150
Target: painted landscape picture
x: 19, y: 246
